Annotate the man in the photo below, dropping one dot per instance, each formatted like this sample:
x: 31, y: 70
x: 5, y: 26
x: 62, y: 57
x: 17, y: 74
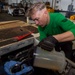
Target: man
x: 55, y: 30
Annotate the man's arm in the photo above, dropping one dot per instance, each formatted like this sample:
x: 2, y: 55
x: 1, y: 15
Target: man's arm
x: 67, y: 36
x: 50, y: 42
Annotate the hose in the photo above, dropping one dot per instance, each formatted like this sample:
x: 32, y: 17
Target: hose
x: 71, y: 62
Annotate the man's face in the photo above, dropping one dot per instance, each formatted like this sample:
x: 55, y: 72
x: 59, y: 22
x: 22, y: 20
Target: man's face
x: 40, y: 18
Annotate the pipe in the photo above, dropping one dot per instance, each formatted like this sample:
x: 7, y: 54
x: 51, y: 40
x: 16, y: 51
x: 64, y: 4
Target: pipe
x: 71, y: 62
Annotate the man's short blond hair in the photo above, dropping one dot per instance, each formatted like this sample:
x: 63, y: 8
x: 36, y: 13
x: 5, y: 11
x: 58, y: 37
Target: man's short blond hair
x: 34, y: 8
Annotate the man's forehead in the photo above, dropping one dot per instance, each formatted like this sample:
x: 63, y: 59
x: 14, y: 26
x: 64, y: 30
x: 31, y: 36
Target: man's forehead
x: 36, y: 14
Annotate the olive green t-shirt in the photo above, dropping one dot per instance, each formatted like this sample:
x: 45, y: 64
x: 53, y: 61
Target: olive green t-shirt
x: 58, y: 24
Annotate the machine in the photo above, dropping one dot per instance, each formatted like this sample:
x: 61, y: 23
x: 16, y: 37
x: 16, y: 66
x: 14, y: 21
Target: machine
x: 18, y: 44
x: 15, y: 44
x: 55, y: 61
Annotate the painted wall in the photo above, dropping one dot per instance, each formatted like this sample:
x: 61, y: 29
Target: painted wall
x: 34, y: 1
x: 62, y: 5
x: 13, y: 1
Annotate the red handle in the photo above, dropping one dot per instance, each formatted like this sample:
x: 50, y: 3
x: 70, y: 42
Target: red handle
x: 18, y: 38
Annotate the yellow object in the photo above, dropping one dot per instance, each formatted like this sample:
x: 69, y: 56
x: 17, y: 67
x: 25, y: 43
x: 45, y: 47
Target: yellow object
x: 50, y: 9
x: 72, y: 17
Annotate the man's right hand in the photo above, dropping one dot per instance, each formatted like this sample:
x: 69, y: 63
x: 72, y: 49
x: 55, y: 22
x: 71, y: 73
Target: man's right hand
x: 48, y: 43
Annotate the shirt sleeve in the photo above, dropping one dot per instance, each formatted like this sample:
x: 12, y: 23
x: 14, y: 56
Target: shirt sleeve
x: 66, y: 24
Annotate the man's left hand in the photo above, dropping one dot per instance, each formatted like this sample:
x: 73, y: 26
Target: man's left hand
x: 48, y: 43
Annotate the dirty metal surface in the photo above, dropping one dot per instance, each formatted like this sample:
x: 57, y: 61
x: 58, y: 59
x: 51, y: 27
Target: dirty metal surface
x: 32, y: 28
x: 10, y: 33
x: 11, y: 24
x: 8, y: 30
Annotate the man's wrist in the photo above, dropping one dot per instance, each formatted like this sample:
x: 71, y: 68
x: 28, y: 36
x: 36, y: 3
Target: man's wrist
x: 53, y: 39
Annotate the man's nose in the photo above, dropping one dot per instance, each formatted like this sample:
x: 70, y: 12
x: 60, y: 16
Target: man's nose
x: 36, y: 22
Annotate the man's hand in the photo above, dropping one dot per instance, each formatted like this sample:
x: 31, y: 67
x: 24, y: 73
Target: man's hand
x: 48, y: 43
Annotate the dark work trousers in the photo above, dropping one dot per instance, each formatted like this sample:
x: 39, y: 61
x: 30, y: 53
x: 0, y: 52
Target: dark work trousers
x: 66, y: 47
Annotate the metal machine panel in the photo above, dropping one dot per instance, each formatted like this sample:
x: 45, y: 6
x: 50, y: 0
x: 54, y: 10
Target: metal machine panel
x: 9, y: 44
x: 17, y: 45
